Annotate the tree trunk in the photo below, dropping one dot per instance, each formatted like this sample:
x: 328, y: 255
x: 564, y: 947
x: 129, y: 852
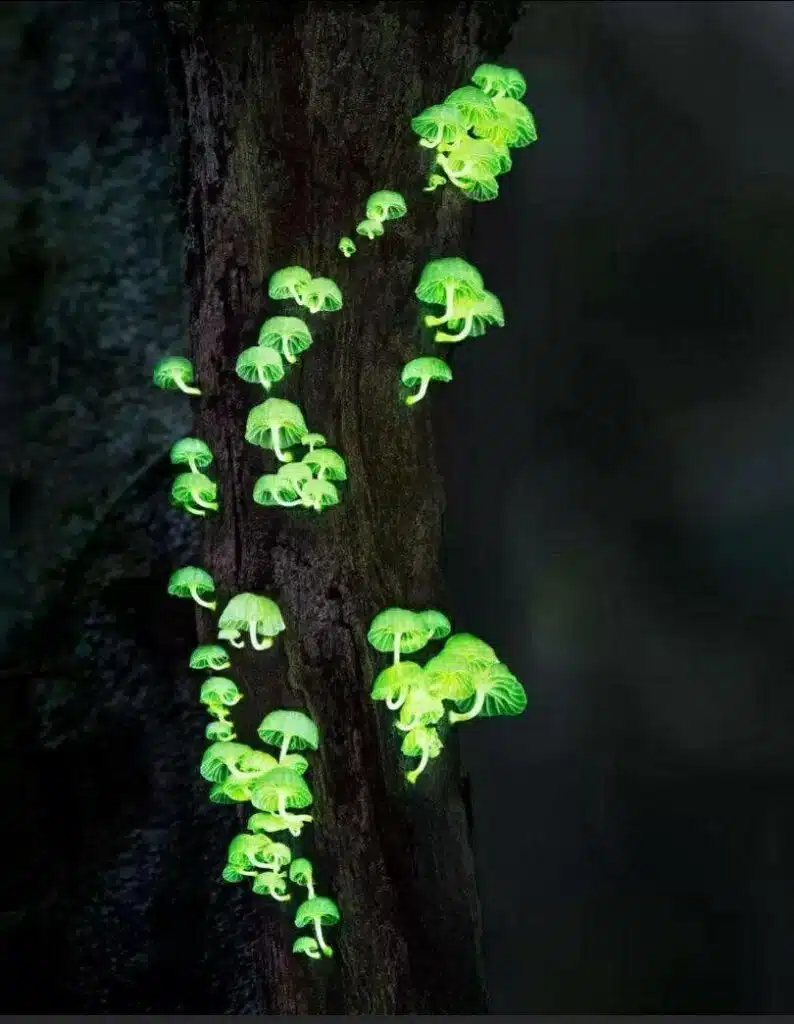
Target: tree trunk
x: 293, y: 114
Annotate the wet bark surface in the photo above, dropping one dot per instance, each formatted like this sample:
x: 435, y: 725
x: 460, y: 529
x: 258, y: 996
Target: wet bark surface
x: 292, y: 116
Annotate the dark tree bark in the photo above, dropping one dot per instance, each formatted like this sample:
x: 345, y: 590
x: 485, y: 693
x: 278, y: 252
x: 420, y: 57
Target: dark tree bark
x: 292, y: 115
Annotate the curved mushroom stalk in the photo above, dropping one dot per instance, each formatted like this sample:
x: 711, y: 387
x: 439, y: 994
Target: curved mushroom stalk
x: 285, y: 351
x: 420, y: 394
x: 475, y: 709
x: 194, y: 511
x: 211, y: 505
x: 260, y: 376
x: 280, y: 455
x: 318, y: 931
x: 395, y: 703
x: 212, y: 605
x: 434, y: 321
x: 256, y: 643
x: 414, y: 774
x: 289, y: 818
x: 462, y: 333
x: 186, y: 387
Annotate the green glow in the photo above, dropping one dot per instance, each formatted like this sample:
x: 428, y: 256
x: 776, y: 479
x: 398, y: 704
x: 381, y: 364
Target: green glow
x: 496, y: 692
x: 326, y: 463
x: 421, y: 371
x: 437, y: 623
x: 497, y: 81
x: 281, y: 791
x: 370, y: 229
x: 472, y: 165
x: 478, y: 110
x: 191, y: 452
x: 438, y: 125
x: 423, y: 743
x: 295, y: 475
x: 514, y: 126
x: 313, y: 441
x: 211, y: 656
x: 260, y: 365
x: 394, y: 683
x: 248, y: 851
x: 220, y: 760
x: 434, y: 182
x: 257, y: 615
x: 232, y: 637
x: 306, y: 944
x: 386, y: 205
x: 301, y: 873
x: 289, y: 283
x: 192, y: 582
x: 475, y: 652
x: 175, y: 373
x: 322, y: 295
x: 317, y: 912
x: 289, y: 730
x: 397, y: 631
x: 261, y: 821
x: 276, y: 425
x: 286, y: 335
x: 273, y: 884
x: 449, y: 677
x: 347, y: 246
x: 272, y: 489
x: 473, y: 316
x: 446, y: 282
x: 221, y: 732
x: 220, y: 690
x: 194, y: 493
x: 319, y: 494
x: 419, y: 708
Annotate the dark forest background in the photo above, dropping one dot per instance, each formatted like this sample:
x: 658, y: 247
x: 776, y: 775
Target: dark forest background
x: 620, y: 526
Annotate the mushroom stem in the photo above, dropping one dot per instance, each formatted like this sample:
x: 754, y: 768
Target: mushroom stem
x: 211, y: 505
x: 420, y: 394
x: 414, y: 774
x: 476, y: 708
x: 194, y: 511
x: 274, y: 894
x: 285, y: 351
x: 186, y: 387
x: 395, y: 703
x: 286, y: 816
x: 192, y: 464
x: 295, y: 295
x: 289, y: 504
x: 318, y: 931
x: 260, y: 376
x: 284, y: 748
x: 256, y: 643
x: 449, y: 291
x: 280, y: 455
x: 462, y: 333
x: 397, y: 648
x: 199, y: 600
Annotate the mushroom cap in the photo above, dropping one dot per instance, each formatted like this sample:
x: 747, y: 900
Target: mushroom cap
x: 280, y: 781
x: 449, y: 677
x: 190, y: 576
x: 485, y: 309
x: 420, y: 708
x: 370, y: 228
x: 425, y: 368
x: 220, y: 690
x: 296, y: 762
x: 504, y: 695
x: 326, y: 291
x: 245, y: 850
x: 294, y: 475
x: 256, y: 762
x: 493, y: 78
x: 329, y: 461
x: 275, y: 414
x: 243, y: 610
x: 169, y: 369
x: 220, y: 732
x: 475, y: 652
x: 270, y: 487
x: 453, y: 271
x: 259, y: 360
x: 388, y: 623
x: 448, y: 118
x: 308, y: 945
x: 189, y: 449
x: 218, y: 795
x: 319, y: 908
x: 302, y: 731
x: 437, y: 622
x: 477, y: 158
x: 218, y: 760
x: 211, y: 656
x: 269, y: 881
x: 478, y: 109
x: 346, y: 246
x: 386, y: 204
x: 421, y: 739
x: 396, y: 679
x: 276, y: 854
x: 285, y: 279
x: 277, y: 330
x: 315, y: 440
x: 187, y: 486
x: 261, y: 821
x: 514, y: 125
x: 321, y: 492
x: 301, y: 871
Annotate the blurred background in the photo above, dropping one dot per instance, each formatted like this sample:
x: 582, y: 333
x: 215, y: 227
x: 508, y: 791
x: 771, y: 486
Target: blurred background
x: 619, y: 524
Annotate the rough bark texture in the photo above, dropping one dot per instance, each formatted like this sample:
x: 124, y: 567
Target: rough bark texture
x: 294, y: 114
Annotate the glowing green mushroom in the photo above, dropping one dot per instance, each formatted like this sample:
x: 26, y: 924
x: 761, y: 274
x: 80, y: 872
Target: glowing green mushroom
x: 496, y: 692
x: 220, y: 761
x: 326, y: 463
x: 386, y: 205
x: 421, y: 371
x: 257, y: 615
x: 211, y: 656
x: 473, y: 317
x: 273, y: 489
x: 289, y: 730
x: 347, y: 246
x: 424, y: 743
x: 437, y: 623
x: 496, y: 81
x: 475, y: 652
x: 289, y: 283
x: 272, y: 884
x: 438, y: 125
x: 195, y: 493
x: 449, y: 677
x: 472, y: 165
x: 319, y: 494
x: 514, y: 126
x: 261, y: 821
x: 259, y: 365
x: 307, y: 945
x: 477, y: 109
x: 420, y: 708
x: 190, y: 581
x: 296, y: 475
x: 322, y: 295
x: 231, y: 636
x: 280, y: 792
x: 301, y: 873
x: 448, y: 282
x: 434, y: 181
x: 276, y: 424
x: 398, y: 631
x: 313, y: 441
x: 370, y: 229
x: 219, y: 690
x: 394, y: 683
x: 247, y: 852
x: 287, y: 335
x: 220, y: 732
x: 318, y: 911
x: 191, y: 452
x: 175, y: 373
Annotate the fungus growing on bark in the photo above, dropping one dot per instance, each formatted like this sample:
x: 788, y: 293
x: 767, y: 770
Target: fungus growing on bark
x: 289, y: 283
x: 260, y: 365
x: 174, y: 373
x: 276, y: 424
x: 255, y: 615
x: 191, y: 452
x: 190, y: 581
x: 286, y: 335
x: 194, y: 493
x: 421, y: 371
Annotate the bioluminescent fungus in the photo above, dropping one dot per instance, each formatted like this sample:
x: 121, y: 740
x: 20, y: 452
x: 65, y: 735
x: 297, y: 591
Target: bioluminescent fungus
x: 220, y: 761
x: 218, y: 690
x: 434, y: 181
x: 322, y: 295
x: 289, y: 283
x: 190, y: 581
x: 191, y: 452
x: 394, y: 683
x: 346, y: 246
x: 419, y: 708
x: 475, y: 652
x: 436, y: 622
x: 287, y: 335
x: 421, y: 371
x: 397, y: 631
x: 289, y: 730
x: 261, y: 821
x: 307, y: 945
x: 514, y: 126
x: 221, y: 731
x: 317, y: 912
x: 473, y: 166
x: 496, y: 81
x: 232, y: 637
x: 386, y: 205
x: 195, y: 493
x: 272, y: 489
x: 280, y: 792
x: 472, y: 317
x: 301, y: 873
x: 318, y: 494
x: 255, y: 615
x: 370, y: 229
x: 276, y: 424
x: 326, y: 463
x: 248, y: 852
x: 449, y: 677
x: 424, y: 743
x: 272, y: 884
x: 439, y: 125
x: 447, y: 282
x: 260, y: 365
x: 496, y: 692
x: 313, y: 441
x: 210, y: 656
x: 295, y: 475
x: 478, y: 110
x: 174, y: 373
